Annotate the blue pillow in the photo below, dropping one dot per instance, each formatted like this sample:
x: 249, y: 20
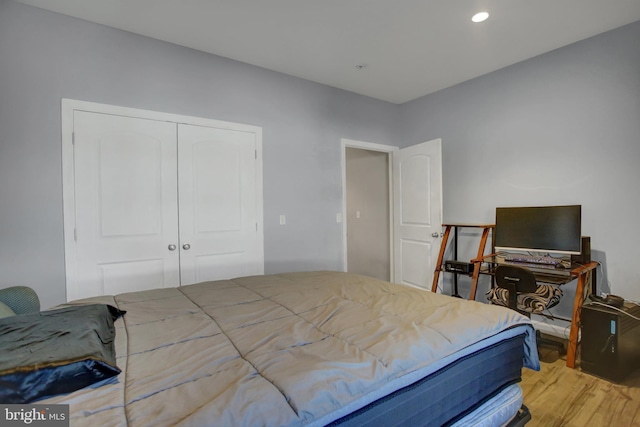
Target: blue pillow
x: 55, y: 352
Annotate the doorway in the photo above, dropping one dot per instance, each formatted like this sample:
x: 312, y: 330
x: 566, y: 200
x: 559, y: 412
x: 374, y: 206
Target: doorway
x: 367, y: 205
x: 368, y: 217
x: 408, y: 227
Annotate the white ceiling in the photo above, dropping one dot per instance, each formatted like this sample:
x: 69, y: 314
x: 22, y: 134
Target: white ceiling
x: 411, y: 47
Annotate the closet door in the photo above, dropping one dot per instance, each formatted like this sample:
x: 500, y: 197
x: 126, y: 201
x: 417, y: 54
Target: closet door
x: 126, y: 208
x: 218, y: 204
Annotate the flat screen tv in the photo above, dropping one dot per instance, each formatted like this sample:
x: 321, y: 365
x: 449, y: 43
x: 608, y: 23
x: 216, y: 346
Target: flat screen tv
x: 540, y: 229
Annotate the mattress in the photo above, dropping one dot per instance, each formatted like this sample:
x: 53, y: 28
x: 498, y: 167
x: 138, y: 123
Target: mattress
x: 447, y: 396
x: 295, y: 349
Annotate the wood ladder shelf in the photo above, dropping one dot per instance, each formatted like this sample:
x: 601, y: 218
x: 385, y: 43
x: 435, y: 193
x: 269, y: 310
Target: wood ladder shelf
x: 476, y: 266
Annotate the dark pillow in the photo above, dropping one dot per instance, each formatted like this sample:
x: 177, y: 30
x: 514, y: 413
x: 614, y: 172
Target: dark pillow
x: 54, y: 352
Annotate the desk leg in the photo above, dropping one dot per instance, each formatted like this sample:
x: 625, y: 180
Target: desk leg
x: 438, y: 269
x: 476, y: 266
x: 575, y: 320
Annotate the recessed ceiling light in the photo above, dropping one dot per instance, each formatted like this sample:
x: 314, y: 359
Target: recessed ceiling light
x: 480, y: 17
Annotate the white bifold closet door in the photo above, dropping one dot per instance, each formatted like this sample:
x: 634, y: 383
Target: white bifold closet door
x: 161, y: 204
x: 217, y: 204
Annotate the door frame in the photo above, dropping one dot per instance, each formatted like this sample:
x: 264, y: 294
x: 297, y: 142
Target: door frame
x: 371, y: 146
x: 389, y: 149
x: 68, y: 106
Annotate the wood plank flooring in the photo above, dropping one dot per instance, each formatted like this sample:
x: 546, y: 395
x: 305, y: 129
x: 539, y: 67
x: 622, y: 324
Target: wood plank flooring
x: 564, y: 397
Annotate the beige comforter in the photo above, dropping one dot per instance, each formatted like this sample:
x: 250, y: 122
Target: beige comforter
x: 278, y: 350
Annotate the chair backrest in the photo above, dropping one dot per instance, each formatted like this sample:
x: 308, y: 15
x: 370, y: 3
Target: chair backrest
x: 517, y: 280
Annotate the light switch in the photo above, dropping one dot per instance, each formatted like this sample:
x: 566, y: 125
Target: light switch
x: 358, y: 214
x: 283, y: 220
x: 339, y: 217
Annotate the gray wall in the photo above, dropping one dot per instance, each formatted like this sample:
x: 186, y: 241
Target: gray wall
x: 561, y: 128
x: 45, y: 57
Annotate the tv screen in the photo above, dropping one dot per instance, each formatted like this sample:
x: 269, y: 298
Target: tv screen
x: 544, y: 229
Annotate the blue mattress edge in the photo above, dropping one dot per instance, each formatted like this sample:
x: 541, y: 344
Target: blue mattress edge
x: 530, y: 361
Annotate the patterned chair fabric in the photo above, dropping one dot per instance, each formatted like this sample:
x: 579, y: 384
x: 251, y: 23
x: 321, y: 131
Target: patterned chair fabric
x: 20, y: 299
x: 546, y: 296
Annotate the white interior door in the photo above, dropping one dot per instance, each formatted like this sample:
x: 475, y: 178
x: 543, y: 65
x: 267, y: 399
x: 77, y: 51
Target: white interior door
x: 417, y: 205
x: 126, y: 208
x: 219, y: 236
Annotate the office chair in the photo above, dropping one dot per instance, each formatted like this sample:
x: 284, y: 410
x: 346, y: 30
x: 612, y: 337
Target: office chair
x: 517, y: 289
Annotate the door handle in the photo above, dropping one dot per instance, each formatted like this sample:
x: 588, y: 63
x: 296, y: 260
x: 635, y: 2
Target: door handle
x: 172, y: 247
x: 436, y: 234
x: 186, y: 246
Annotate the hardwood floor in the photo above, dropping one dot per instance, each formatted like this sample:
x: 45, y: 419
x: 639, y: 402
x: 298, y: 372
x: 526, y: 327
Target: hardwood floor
x: 560, y: 396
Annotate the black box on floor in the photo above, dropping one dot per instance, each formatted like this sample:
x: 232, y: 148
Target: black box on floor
x: 610, y: 344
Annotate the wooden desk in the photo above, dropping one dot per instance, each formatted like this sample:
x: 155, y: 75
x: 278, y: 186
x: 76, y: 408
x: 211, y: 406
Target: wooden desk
x: 584, y: 274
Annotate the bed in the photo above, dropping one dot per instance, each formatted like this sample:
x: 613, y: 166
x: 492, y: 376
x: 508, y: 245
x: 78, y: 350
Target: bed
x: 306, y: 349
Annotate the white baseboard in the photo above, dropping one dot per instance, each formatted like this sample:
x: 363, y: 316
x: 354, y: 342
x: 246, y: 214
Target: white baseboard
x: 557, y: 328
